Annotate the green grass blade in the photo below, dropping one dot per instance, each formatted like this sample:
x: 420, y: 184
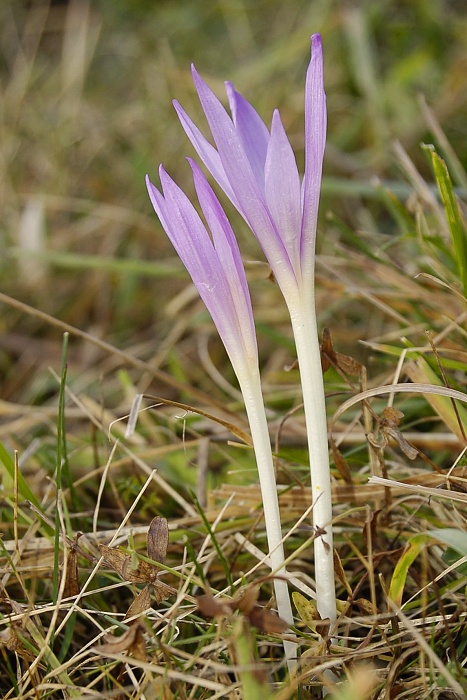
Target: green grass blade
x: 63, y: 469
x: 122, y: 266
x: 456, y: 539
x: 455, y: 221
x: 23, y: 488
x: 223, y: 561
x: 399, y: 577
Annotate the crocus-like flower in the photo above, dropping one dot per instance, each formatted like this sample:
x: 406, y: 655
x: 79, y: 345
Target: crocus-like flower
x: 257, y: 170
x: 215, y: 265
x: 217, y: 271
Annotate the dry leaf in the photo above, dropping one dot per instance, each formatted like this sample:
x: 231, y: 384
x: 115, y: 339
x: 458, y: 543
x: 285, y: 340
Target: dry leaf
x: 247, y: 600
x: 341, y: 464
x: 141, y: 603
x: 10, y: 639
x: 340, y: 573
x: 365, y: 606
x: 13, y: 642
x: 390, y: 429
x: 158, y: 539
x: 263, y: 619
x: 331, y: 358
x: 313, y: 655
x: 121, y: 563
x: 391, y: 417
x: 132, y: 641
x: 71, y: 582
x: 163, y: 591
x: 145, y: 572
x: 266, y: 620
x: 213, y: 607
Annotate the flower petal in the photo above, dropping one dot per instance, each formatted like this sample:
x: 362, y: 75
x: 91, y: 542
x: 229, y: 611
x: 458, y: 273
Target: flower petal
x: 315, y: 140
x: 229, y: 257
x: 252, y: 130
x: 283, y: 190
x: 248, y: 193
x: 214, y: 280
x: 186, y: 231
x: 208, y: 154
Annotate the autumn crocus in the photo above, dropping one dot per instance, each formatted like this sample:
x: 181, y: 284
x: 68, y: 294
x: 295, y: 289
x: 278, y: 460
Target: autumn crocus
x: 256, y: 168
x: 214, y: 263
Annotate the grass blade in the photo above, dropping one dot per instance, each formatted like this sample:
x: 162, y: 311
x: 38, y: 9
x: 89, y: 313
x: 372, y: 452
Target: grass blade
x: 455, y: 221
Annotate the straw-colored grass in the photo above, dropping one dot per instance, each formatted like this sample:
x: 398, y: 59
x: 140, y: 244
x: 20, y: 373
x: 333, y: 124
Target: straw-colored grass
x: 97, y: 309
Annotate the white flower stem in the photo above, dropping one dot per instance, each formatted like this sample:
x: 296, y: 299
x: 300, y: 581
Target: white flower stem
x: 250, y: 385
x: 305, y: 331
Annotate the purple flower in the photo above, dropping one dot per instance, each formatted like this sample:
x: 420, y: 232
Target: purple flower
x: 257, y: 170
x: 213, y: 261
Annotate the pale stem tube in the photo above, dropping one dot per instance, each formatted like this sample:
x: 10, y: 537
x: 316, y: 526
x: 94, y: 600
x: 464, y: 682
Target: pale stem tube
x: 305, y: 331
x: 250, y: 385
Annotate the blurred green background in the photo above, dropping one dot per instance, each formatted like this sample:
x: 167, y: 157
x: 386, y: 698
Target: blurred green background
x: 86, y: 91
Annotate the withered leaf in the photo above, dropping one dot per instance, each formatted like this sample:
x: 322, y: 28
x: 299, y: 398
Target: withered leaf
x: 10, y: 639
x: 113, y: 557
x: 391, y: 417
x: 329, y: 357
x: 163, y: 591
x: 71, y: 581
x: 390, y: 428
x: 341, y: 464
x: 340, y: 573
x: 308, y: 611
x: 158, y: 539
x: 323, y: 626
x: 121, y: 563
x: 349, y: 365
x: 247, y: 601
x: 144, y: 572
x: 213, y: 607
x: 409, y: 450
x: 141, y: 603
x: 263, y: 619
x: 266, y: 620
x: 365, y: 606
x: 132, y: 641
x: 313, y: 654
x: 328, y: 354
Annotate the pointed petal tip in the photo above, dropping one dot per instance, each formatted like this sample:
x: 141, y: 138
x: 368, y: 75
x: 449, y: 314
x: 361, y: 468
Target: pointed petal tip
x: 192, y: 163
x: 316, y: 44
x: 195, y: 75
x: 164, y: 178
x: 150, y: 186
